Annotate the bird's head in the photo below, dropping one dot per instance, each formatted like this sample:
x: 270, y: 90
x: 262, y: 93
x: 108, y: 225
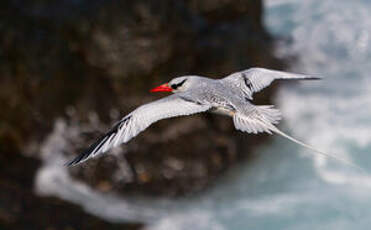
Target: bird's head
x: 179, y: 84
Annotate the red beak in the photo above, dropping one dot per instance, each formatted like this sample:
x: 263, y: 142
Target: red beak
x: 162, y: 88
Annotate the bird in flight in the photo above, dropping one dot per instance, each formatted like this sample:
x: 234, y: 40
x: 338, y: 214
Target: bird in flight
x: 231, y: 96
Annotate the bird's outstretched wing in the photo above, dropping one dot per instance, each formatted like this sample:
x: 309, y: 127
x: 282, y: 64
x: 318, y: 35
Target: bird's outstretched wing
x: 138, y: 120
x: 256, y: 79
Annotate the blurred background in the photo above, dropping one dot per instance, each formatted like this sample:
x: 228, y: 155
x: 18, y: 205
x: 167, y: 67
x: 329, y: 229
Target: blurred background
x: 70, y: 69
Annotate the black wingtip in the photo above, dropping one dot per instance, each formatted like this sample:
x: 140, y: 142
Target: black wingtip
x: 314, y: 78
x: 77, y: 160
x: 97, y: 145
x: 71, y: 163
x: 85, y: 154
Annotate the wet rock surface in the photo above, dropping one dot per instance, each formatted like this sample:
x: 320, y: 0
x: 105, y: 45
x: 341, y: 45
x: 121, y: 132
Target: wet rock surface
x: 22, y: 209
x: 92, y: 62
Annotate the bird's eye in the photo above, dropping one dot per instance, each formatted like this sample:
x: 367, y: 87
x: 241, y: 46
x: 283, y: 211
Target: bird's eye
x: 175, y: 86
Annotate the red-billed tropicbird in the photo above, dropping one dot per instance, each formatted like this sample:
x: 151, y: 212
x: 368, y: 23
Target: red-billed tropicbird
x: 193, y: 94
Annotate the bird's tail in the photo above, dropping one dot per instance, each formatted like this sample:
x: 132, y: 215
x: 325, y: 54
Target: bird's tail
x: 276, y: 130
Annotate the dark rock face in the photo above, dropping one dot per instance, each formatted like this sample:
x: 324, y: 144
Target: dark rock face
x: 101, y: 57
x: 21, y: 209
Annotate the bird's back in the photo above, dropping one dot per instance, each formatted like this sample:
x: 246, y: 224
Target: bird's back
x: 219, y: 93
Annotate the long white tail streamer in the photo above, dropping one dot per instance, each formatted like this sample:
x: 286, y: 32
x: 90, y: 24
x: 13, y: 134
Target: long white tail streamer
x: 276, y: 130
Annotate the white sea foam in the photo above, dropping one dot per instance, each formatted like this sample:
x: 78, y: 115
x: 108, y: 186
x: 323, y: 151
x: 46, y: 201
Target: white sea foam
x: 336, y: 117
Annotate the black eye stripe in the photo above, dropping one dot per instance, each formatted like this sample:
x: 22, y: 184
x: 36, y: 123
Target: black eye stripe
x: 175, y: 86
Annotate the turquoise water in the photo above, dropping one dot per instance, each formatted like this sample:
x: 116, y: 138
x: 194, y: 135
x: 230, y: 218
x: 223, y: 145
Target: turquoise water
x: 286, y: 187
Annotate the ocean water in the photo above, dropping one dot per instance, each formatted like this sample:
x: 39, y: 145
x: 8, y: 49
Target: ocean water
x: 286, y: 187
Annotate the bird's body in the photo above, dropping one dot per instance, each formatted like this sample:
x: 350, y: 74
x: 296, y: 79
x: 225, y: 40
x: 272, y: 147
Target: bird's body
x: 231, y: 96
x: 218, y: 95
